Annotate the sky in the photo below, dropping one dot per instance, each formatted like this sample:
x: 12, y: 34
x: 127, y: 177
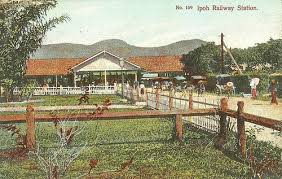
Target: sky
x: 150, y: 23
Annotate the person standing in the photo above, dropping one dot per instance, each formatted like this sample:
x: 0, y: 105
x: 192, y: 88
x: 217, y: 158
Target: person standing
x: 45, y: 88
x: 142, y: 91
x: 201, y: 88
x: 253, y: 84
x: 254, y: 91
x: 273, y: 91
x: 142, y: 88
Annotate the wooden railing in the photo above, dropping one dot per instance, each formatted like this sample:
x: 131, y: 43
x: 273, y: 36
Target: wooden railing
x: 158, y: 101
x: 30, y: 118
x: 38, y: 91
x: 241, y: 118
x: 223, y: 112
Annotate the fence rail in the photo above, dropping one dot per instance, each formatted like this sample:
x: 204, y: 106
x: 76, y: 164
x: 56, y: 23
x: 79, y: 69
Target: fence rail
x: 106, y: 116
x: 203, y: 114
x: 156, y: 100
x: 37, y: 91
x: 170, y: 102
x: 30, y: 118
x: 221, y: 122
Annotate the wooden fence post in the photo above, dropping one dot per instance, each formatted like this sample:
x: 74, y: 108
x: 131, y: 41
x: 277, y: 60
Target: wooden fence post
x: 178, y: 128
x: 241, y: 129
x: 190, y: 101
x: 157, y: 99
x: 30, y: 127
x: 170, y: 100
x: 221, y: 140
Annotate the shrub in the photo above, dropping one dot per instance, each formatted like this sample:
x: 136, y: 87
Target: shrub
x: 28, y: 90
x: 211, y: 82
x: 242, y: 83
x: 7, y: 86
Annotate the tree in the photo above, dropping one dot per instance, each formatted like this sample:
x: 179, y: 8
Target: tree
x: 202, y: 60
x: 246, y: 57
x: 23, y: 25
x: 263, y: 56
x: 273, y: 55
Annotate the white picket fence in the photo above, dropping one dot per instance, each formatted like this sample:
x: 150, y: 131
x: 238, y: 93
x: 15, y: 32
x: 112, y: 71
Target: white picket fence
x: 38, y: 91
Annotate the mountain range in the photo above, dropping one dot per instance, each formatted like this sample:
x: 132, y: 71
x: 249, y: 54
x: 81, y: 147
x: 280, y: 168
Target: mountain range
x: 115, y: 46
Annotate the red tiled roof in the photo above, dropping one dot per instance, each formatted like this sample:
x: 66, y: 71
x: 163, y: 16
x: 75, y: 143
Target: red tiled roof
x: 158, y: 63
x: 46, y: 67
x: 61, y: 66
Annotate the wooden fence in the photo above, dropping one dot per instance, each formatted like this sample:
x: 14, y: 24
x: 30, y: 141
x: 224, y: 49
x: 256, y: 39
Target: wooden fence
x: 158, y: 101
x: 241, y: 118
x: 38, y: 91
x: 30, y: 118
x: 217, y: 123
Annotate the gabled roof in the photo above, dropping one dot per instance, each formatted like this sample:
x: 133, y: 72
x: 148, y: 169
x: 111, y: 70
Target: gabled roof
x: 158, y: 63
x: 46, y: 67
x: 99, y: 53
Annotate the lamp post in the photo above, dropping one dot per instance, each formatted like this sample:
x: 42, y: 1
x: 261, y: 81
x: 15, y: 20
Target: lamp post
x: 121, y: 63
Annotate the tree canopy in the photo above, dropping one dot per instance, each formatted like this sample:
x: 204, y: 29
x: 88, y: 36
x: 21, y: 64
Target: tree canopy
x: 266, y: 57
x: 23, y: 25
x: 202, y: 60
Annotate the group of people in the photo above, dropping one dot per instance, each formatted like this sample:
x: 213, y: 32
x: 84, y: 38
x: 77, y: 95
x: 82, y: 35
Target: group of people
x: 200, y: 88
x: 137, y: 86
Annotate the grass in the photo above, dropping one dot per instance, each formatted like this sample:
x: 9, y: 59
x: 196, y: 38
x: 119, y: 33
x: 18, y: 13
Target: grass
x: 73, y: 111
x: 67, y: 100
x: 148, y: 140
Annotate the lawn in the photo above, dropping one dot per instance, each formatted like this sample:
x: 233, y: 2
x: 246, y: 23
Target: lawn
x: 66, y: 100
x: 149, y: 141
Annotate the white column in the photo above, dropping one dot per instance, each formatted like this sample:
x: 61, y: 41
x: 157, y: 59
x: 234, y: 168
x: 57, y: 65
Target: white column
x: 135, y: 76
x: 105, y: 77
x: 74, y: 79
x: 56, y: 79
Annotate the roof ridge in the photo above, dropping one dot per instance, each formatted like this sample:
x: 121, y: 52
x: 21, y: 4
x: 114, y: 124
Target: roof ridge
x: 57, y: 58
x: 155, y: 56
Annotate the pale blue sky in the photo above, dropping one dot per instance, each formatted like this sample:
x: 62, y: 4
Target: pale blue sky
x: 157, y: 22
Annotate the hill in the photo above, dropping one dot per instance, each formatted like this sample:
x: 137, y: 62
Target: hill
x: 118, y: 47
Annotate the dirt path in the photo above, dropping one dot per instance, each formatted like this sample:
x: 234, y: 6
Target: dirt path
x: 257, y: 107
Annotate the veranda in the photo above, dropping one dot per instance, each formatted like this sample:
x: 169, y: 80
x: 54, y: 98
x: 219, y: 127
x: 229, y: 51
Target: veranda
x: 99, y: 74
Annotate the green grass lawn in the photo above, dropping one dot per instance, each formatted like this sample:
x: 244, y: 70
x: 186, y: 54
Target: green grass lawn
x: 75, y: 111
x: 67, y: 100
x: 112, y: 142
